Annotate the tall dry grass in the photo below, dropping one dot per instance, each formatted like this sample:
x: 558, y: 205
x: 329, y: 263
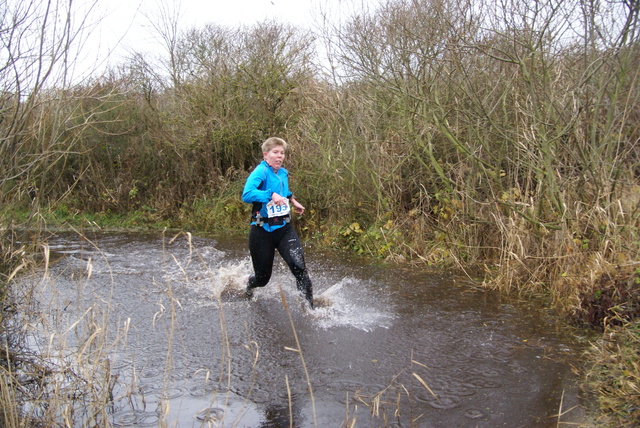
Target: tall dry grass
x: 63, y: 353
x: 614, y: 373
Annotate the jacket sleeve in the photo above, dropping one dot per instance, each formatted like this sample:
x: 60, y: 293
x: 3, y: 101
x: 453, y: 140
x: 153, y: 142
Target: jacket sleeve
x: 289, y: 193
x: 252, y: 192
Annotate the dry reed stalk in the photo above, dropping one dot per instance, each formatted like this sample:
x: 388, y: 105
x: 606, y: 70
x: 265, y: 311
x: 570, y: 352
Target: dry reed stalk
x: 72, y: 378
x: 299, y: 351
x: 8, y: 404
x: 615, y: 374
x: 423, y: 383
x: 224, y: 376
x: 286, y: 381
x: 349, y: 421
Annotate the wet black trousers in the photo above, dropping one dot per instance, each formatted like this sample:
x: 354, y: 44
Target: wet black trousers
x: 263, y: 245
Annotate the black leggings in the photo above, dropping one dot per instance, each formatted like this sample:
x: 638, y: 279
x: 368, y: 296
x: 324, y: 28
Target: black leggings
x: 262, y: 246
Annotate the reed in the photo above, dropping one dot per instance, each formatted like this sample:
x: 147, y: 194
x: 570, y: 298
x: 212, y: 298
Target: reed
x: 57, y: 369
x: 46, y: 381
x: 62, y: 370
x: 298, y: 349
x: 614, y: 374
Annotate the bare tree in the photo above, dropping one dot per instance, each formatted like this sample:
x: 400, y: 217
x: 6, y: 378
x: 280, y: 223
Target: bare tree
x: 164, y: 22
x: 39, y: 44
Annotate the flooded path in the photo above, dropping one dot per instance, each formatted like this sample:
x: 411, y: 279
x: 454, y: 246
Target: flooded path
x: 387, y: 346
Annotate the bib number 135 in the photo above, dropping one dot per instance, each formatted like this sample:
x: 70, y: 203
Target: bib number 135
x: 274, y: 210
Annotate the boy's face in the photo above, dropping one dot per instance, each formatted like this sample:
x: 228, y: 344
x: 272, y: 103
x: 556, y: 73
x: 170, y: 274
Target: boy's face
x: 274, y: 157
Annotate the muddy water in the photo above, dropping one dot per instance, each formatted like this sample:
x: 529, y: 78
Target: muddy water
x: 387, y: 346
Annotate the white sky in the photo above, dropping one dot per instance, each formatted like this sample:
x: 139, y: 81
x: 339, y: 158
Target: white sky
x: 124, y: 25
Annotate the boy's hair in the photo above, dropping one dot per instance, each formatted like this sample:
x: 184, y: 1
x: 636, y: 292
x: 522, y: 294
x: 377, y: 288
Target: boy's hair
x: 271, y: 142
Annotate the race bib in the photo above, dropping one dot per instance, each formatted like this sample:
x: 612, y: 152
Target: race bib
x: 274, y: 210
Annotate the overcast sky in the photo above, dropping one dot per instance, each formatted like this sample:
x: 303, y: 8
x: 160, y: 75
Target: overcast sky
x: 125, y: 24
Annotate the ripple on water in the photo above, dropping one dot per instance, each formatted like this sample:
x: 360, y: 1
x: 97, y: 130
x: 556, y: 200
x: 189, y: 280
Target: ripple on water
x: 151, y: 373
x: 459, y: 390
x: 212, y: 414
x: 484, y: 383
x: 439, y: 400
x: 516, y: 368
x: 343, y: 388
x: 445, y: 403
x: 197, y: 391
x: 257, y: 395
x: 135, y: 418
x: 203, y: 388
x: 148, y: 388
x: 368, y: 392
x: 500, y: 355
x: 473, y: 414
x: 345, y: 385
x: 484, y: 371
x: 171, y: 393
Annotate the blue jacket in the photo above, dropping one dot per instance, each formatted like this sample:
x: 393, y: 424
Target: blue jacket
x: 261, y: 184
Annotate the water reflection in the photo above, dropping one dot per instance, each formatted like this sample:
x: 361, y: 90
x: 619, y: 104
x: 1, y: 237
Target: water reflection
x: 387, y: 346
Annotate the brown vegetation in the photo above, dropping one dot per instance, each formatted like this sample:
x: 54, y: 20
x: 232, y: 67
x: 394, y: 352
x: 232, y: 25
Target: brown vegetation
x: 465, y: 134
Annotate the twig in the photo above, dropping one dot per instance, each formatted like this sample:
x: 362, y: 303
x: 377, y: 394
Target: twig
x: 299, y: 351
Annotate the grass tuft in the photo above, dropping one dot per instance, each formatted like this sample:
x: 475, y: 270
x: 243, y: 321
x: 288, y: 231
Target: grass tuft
x: 614, y: 375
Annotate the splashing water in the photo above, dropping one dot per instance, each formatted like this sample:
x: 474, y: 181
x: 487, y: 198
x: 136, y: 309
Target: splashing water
x: 224, y: 282
x: 335, y: 307
x: 334, y: 302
